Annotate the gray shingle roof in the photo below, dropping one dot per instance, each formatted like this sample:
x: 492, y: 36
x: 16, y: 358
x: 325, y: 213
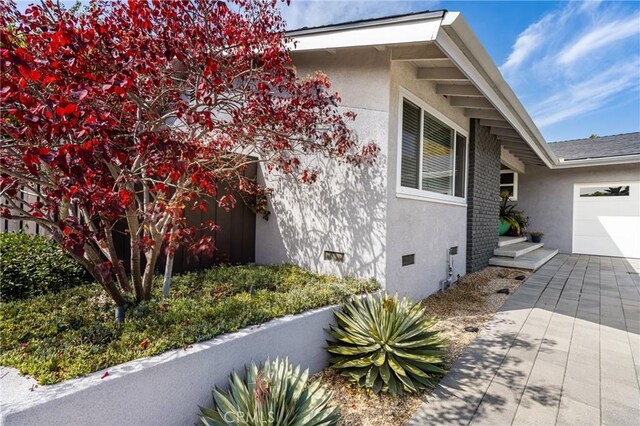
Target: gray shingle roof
x: 600, y: 147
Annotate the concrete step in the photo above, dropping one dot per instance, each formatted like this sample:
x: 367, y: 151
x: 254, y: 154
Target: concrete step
x: 517, y: 250
x: 505, y: 241
x: 532, y: 260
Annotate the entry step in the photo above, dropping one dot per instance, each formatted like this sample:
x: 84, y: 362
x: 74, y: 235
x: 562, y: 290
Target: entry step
x: 506, y: 241
x: 530, y: 261
x: 517, y: 249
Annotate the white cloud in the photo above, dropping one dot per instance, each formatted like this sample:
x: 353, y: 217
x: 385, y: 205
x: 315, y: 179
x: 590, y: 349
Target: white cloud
x: 598, y: 38
x: 589, y: 5
x: 528, y: 42
x: 576, y: 60
x: 588, y: 95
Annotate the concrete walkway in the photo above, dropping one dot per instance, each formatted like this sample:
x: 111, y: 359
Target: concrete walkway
x: 564, y: 349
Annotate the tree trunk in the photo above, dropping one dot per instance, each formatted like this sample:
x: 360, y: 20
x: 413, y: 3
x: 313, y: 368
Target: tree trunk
x: 111, y: 289
x: 91, y: 263
x: 134, y: 240
x: 168, y: 272
x: 136, y: 275
x: 147, y: 278
x: 121, y: 276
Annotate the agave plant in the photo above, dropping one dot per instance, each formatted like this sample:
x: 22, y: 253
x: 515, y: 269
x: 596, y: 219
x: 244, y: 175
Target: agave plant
x: 276, y: 393
x: 386, y: 344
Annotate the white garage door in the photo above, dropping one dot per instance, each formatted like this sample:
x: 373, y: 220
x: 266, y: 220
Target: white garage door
x: 606, y: 219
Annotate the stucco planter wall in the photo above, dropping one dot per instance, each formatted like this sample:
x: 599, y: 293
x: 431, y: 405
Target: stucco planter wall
x: 167, y: 389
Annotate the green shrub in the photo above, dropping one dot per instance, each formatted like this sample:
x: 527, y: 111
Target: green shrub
x: 31, y: 265
x: 386, y: 344
x: 273, y: 394
x: 59, y: 336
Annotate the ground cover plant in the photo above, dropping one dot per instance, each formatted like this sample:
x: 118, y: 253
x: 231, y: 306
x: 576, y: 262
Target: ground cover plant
x: 128, y: 113
x: 274, y: 393
x: 59, y: 336
x: 471, y: 302
x: 31, y: 265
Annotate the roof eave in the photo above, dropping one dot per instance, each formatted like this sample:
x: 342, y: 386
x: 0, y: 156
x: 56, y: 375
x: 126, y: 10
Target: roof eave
x: 414, y: 28
x: 599, y: 161
x: 460, y: 42
x: 410, y: 17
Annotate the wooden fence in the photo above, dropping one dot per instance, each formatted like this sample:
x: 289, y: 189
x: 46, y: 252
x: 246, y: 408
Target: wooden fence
x: 235, y: 241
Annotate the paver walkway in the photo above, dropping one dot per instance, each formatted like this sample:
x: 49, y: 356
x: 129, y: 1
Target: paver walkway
x: 564, y: 349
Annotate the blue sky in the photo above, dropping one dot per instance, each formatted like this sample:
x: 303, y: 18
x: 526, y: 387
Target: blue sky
x: 574, y: 65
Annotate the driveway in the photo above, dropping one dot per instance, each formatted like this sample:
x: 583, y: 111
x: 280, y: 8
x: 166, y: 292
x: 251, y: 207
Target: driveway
x: 564, y: 349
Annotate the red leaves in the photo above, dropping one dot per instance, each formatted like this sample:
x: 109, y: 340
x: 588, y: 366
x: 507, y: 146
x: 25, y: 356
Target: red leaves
x: 227, y: 202
x: 126, y: 197
x: 309, y: 176
x: 124, y: 111
x: 144, y: 344
x: 204, y: 246
x: 67, y: 109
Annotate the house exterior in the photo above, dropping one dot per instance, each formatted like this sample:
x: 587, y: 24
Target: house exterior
x: 451, y: 134
x: 561, y: 200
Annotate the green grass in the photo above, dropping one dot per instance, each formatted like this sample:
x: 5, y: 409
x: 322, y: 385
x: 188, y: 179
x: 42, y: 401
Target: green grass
x: 55, y: 337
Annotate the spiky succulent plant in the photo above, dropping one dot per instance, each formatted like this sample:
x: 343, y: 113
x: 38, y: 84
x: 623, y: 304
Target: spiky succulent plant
x: 275, y: 393
x: 386, y: 344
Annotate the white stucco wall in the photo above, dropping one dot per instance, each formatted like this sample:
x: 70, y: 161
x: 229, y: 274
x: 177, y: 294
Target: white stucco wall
x: 546, y: 196
x: 344, y: 210
x: 423, y: 227
x: 166, y: 389
x: 356, y: 211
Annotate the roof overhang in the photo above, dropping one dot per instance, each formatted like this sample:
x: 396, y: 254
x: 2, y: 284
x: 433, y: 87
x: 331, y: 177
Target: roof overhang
x: 449, y: 53
x: 599, y: 161
x: 465, y: 50
x: 414, y: 28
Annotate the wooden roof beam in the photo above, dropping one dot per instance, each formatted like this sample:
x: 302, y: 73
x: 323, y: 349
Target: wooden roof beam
x: 458, y: 90
x: 469, y: 102
x: 496, y: 123
x: 441, y: 74
x: 489, y: 114
x: 417, y: 53
x: 499, y: 131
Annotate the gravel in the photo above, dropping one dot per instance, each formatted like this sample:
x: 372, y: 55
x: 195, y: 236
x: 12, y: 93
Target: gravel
x: 472, y: 302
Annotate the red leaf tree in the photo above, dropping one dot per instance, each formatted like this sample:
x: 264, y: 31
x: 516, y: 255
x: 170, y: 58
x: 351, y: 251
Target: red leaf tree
x: 128, y: 112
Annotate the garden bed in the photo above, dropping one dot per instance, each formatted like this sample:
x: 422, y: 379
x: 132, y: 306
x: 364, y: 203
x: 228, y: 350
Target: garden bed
x: 471, y: 302
x: 60, y: 336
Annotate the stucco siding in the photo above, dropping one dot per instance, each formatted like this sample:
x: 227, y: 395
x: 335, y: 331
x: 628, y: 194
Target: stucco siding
x: 344, y: 211
x: 546, y: 196
x: 421, y: 227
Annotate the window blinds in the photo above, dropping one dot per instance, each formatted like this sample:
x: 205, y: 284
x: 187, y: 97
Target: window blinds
x: 410, y: 145
x: 437, y: 156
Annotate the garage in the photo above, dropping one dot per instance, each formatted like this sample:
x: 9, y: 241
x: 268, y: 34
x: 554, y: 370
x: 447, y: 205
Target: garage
x: 606, y: 219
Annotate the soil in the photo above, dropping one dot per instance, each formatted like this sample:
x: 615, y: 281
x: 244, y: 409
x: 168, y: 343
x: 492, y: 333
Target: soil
x: 472, y: 302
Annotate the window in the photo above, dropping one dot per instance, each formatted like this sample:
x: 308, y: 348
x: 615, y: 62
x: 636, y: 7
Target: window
x: 509, y: 183
x: 433, y: 155
x: 605, y: 191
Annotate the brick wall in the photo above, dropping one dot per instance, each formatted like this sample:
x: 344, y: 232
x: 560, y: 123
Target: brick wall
x: 483, y: 197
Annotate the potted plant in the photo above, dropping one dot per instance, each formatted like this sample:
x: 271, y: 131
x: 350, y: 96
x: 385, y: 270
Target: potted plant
x: 510, y: 219
x: 536, y: 236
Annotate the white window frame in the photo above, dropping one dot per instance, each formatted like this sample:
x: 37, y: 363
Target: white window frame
x: 514, y: 197
x: 417, y: 193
